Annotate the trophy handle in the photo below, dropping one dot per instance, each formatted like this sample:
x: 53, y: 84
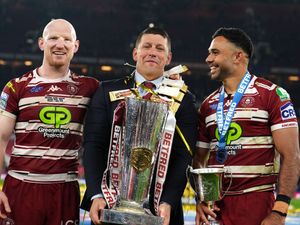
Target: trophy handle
x: 227, y: 170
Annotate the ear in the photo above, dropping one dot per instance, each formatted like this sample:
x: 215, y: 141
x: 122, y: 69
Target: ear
x: 76, y: 46
x: 169, y: 58
x: 41, y: 43
x: 134, y: 54
x: 238, y: 56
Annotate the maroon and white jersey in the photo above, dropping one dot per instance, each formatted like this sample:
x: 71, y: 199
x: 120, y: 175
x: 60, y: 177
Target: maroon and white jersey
x: 252, y: 162
x: 49, y: 116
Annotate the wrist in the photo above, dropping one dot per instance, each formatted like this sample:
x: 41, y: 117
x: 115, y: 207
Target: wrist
x: 279, y: 213
x: 283, y: 198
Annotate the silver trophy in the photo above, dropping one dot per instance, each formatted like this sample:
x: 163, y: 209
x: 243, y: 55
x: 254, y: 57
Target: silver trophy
x: 144, y: 123
x: 208, y: 186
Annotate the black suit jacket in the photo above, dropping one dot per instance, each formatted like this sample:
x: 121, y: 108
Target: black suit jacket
x: 97, y: 138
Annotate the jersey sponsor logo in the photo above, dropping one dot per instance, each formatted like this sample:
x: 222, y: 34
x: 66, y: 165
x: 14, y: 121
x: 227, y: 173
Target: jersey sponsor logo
x: 234, y: 133
x: 36, y: 89
x: 3, y: 101
x: 287, y: 111
x: 54, y: 99
x: 54, y: 88
x: 56, y: 116
x: 283, y: 94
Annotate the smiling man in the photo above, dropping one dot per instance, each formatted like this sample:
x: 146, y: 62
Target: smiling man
x: 45, y: 108
x: 244, y: 127
x: 152, y: 53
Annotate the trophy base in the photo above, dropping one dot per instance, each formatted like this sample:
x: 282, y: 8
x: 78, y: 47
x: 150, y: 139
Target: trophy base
x: 128, y: 218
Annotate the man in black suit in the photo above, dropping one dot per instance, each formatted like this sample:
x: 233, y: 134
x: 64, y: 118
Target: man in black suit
x: 152, y: 53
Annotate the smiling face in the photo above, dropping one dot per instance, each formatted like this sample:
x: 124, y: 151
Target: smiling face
x: 221, y: 59
x: 58, y: 43
x: 151, y: 56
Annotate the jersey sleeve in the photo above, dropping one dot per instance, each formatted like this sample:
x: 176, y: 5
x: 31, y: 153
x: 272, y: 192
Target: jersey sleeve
x: 9, y: 99
x: 281, y: 110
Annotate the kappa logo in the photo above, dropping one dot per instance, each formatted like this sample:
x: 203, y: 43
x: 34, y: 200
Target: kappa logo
x: 56, y: 116
x: 234, y: 133
x: 287, y: 111
x: 54, y: 88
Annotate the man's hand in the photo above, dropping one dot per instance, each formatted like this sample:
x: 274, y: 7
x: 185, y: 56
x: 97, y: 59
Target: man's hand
x: 202, y: 210
x: 164, y: 211
x: 4, y: 202
x: 97, y: 205
x: 273, y: 219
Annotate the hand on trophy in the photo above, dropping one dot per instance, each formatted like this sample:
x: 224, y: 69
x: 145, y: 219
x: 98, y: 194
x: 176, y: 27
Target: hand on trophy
x: 165, y: 212
x: 4, y: 204
x: 97, y: 205
x: 202, y: 210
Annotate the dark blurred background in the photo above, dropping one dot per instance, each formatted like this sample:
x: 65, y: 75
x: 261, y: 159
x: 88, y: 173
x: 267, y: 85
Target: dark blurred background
x: 107, y: 30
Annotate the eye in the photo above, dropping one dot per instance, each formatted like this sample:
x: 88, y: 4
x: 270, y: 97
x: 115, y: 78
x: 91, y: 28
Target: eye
x: 161, y: 49
x: 147, y: 46
x: 52, y: 38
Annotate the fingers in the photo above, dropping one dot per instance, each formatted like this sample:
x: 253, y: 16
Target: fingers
x: 97, y: 205
x: 164, y: 211
x: 4, y: 202
x: 201, y: 211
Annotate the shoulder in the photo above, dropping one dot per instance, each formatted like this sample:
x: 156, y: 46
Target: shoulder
x: 264, y: 84
x: 84, y: 79
x: 16, y: 84
x: 116, y: 84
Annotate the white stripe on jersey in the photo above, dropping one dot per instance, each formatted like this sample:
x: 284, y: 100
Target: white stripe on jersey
x: 202, y: 144
x: 245, y: 171
x: 246, y: 142
x: 284, y: 125
x: 49, y: 153
x: 270, y: 88
x: 22, y: 127
x: 77, y: 101
x: 43, y: 178
x: 8, y: 114
x: 241, y: 114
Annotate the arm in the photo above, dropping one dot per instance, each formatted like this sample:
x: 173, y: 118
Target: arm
x: 287, y: 144
x: 200, y: 161
x: 7, y: 127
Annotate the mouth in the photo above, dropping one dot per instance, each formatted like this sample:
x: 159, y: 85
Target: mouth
x: 59, y: 53
x: 213, y: 69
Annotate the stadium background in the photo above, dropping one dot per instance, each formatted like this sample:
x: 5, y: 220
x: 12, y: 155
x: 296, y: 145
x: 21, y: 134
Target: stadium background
x: 107, y: 30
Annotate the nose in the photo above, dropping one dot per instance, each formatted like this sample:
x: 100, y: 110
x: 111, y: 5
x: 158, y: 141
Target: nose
x: 60, y: 42
x: 208, y: 59
x: 152, y: 52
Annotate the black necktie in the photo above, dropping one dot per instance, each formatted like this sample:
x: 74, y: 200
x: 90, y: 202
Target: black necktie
x: 149, y: 85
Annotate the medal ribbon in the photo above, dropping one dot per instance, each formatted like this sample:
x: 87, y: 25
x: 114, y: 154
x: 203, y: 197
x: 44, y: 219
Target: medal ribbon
x: 224, y: 123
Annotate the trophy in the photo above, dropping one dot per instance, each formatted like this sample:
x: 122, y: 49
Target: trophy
x: 7, y: 221
x: 208, y: 186
x: 144, y: 122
